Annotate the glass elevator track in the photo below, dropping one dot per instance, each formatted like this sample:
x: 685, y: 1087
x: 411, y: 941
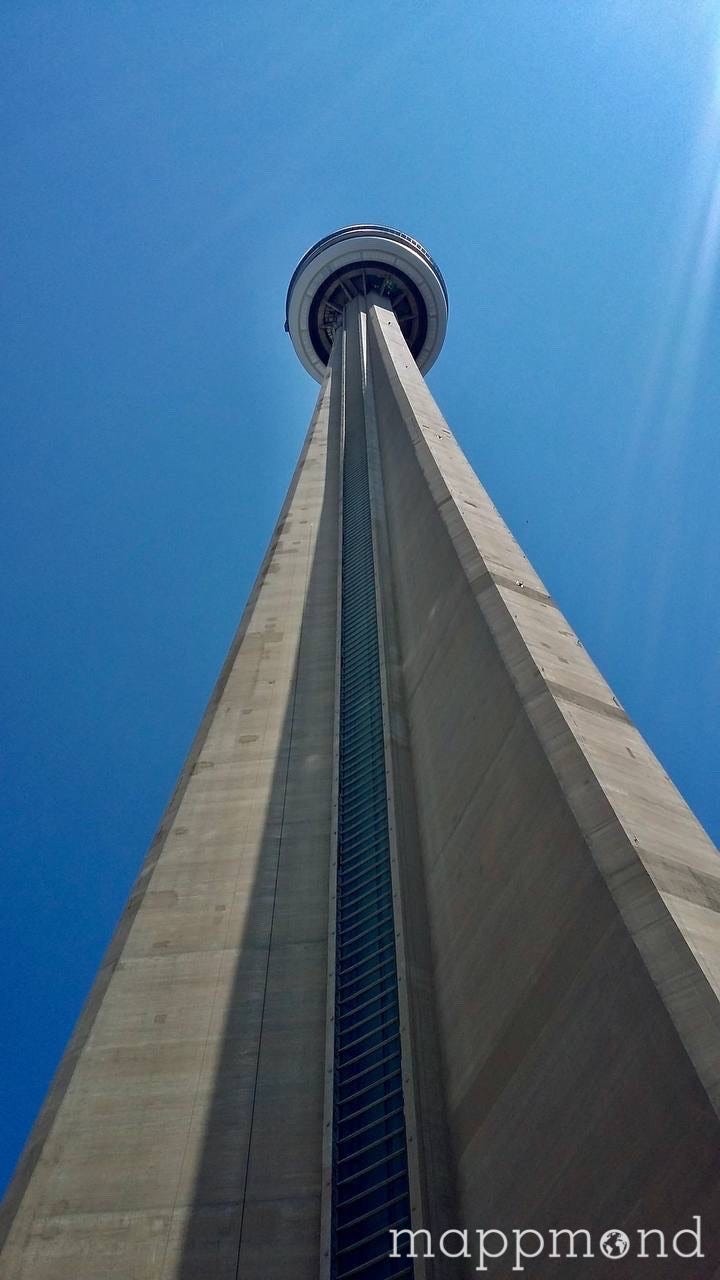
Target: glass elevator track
x: 370, y: 1169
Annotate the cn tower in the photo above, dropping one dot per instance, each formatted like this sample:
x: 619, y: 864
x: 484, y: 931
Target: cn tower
x: 426, y: 943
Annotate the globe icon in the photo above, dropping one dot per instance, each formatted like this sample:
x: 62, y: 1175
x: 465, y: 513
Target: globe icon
x: 614, y: 1244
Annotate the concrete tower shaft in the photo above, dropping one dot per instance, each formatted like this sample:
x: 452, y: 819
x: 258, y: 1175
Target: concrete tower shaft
x: 426, y: 936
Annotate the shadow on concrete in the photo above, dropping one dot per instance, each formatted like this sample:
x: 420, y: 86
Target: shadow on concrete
x: 280, y: 975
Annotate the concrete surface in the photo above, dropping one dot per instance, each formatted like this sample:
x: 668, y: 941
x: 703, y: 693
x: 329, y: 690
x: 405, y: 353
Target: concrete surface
x: 572, y: 897
x: 182, y: 1135
x: 557, y: 920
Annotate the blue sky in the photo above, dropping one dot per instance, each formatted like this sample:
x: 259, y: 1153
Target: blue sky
x: 166, y: 166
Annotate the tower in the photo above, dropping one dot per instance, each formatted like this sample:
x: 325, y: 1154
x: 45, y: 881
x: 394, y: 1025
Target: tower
x: 426, y: 938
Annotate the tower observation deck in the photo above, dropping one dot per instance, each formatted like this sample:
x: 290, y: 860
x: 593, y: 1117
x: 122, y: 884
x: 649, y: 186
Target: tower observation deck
x: 426, y: 941
x: 356, y: 261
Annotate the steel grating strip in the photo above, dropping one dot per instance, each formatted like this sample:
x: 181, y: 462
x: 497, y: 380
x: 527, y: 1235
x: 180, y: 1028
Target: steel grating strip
x: 370, y: 1140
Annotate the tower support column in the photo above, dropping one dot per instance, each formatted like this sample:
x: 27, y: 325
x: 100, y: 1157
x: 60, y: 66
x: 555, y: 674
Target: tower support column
x: 182, y: 1136
x: 426, y: 939
x: 572, y: 897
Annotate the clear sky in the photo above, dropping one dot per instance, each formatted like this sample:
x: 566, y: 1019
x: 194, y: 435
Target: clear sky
x: 166, y: 165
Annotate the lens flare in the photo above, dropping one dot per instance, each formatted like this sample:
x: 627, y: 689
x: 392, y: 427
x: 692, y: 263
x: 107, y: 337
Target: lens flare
x: 662, y: 424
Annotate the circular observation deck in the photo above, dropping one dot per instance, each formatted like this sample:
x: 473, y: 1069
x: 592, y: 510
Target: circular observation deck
x: 361, y: 260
